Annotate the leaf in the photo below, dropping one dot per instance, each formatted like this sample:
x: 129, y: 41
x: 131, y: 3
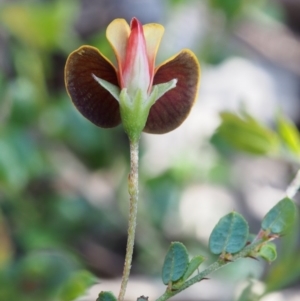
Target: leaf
x: 289, y: 134
x: 175, y: 264
x: 106, y: 296
x: 229, y: 235
x: 193, y: 266
x: 76, y: 285
x: 280, y: 217
x: 247, y: 134
x: 268, y: 252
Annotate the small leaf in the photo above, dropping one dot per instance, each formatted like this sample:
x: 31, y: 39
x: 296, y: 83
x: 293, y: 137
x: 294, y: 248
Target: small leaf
x: 229, y: 235
x: 289, y: 134
x: 247, y: 134
x: 76, y: 285
x: 106, y: 296
x: 193, y: 266
x: 175, y: 264
x: 268, y: 252
x: 280, y: 217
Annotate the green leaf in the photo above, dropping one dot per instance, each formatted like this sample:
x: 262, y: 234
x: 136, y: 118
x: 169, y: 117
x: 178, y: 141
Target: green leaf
x: 193, y: 266
x: 175, y: 264
x: 229, y: 235
x: 289, y: 134
x: 106, y: 296
x: 280, y: 217
x: 247, y: 134
x: 268, y: 252
x: 76, y: 285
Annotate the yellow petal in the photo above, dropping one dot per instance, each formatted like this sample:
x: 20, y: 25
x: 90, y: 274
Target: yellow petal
x: 92, y: 100
x: 153, y: 33
x: 173, y: 107
x: 117, y: 34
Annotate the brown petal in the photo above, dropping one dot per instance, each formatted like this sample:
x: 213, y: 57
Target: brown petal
x: 92, y: 100
x: 173, y: 107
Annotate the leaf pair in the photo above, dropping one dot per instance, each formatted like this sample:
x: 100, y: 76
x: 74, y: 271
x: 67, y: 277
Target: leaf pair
x: 247, y: 134
x: 177, y: 268
x: 231, y: 233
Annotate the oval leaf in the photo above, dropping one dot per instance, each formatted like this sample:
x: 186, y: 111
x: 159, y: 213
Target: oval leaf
x: 268, y: 252
x: 247, y: 134
x: 175, y: 264
x: 229, y: 235
x: 193, y: 266
x: 280, y: 217
x: 289, y: 134
x: 106, y: 296
x: 76, y: 286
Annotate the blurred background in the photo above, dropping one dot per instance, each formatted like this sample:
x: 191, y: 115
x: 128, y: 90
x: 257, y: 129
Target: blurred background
x: 63, y: 194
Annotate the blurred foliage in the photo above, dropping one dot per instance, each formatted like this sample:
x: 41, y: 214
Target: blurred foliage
x: 245, y: 133
x: 43, y: 218
x: 54, y: 223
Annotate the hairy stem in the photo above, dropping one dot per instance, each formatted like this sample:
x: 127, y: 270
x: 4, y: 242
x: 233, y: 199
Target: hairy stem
x: 133, y: 190
x: 213, y: 267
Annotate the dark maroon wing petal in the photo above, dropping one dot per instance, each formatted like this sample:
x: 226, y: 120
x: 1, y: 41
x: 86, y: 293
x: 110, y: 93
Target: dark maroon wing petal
x: 92, y: 101
x: 173, y: 107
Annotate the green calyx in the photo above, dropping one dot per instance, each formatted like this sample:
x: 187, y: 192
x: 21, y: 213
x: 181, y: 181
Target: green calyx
x: 134, y: 112
x: 135, y: 108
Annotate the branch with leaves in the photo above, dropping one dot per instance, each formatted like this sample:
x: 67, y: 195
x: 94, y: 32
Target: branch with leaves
x: 231, y: 240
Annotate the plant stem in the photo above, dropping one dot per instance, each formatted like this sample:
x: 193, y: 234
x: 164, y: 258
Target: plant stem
x: 293, y: 188
x: 213, y: 267
x: 133, y: 189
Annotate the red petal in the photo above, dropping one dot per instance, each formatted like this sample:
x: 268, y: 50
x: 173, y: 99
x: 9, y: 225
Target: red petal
x: 173, y: 107
x: 136, y: 73
x: 92, y: 100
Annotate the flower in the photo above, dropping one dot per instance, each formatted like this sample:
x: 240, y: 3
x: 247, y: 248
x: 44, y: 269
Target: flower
x: 142, y: 97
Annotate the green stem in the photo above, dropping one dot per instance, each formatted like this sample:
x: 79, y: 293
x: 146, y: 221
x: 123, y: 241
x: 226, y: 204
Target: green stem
x: 213, y: 267
x: 133, y: 190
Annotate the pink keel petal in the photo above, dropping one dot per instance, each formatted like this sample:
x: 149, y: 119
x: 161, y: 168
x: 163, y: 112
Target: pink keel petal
x: 92, y: 101
x: 136, y: 73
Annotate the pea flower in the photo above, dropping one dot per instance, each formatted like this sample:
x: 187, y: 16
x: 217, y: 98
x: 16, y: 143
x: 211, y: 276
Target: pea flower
x: 142, y: 97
